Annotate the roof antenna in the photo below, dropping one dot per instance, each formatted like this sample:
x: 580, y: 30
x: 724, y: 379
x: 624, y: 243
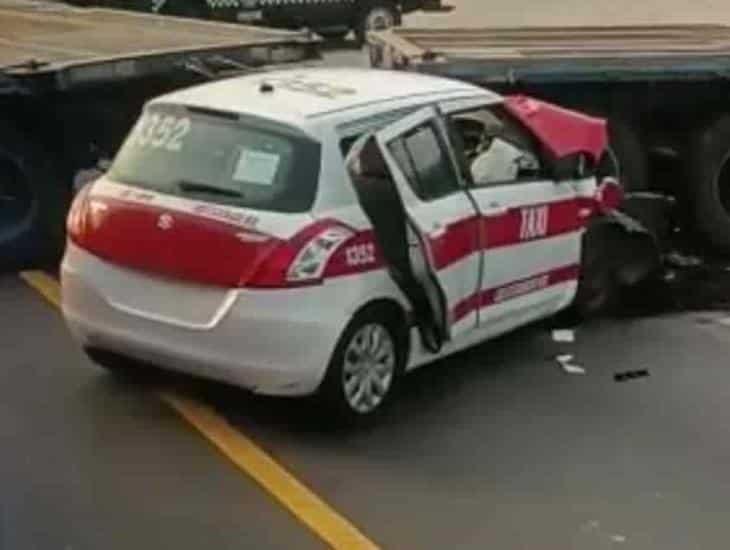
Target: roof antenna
x: 266, y: 88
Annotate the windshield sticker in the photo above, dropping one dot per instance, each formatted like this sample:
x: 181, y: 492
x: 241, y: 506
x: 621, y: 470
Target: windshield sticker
x: 162, y: 132
x: 256, y: 167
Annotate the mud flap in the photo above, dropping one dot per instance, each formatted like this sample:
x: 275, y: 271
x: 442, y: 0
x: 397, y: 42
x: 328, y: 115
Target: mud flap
x: 403, y: 247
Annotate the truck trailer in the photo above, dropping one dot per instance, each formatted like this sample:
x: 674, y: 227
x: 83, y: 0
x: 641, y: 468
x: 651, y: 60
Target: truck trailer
x: 664, y: 91
x: 72, y: 83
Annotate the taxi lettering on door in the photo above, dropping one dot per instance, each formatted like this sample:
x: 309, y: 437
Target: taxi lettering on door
x: 534, y: 222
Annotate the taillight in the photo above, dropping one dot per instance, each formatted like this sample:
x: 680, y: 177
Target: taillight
x: 301, y: 260
x: 77, y: 220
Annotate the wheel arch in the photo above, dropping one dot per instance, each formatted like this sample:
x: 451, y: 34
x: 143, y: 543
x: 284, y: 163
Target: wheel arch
x: 394, y: 312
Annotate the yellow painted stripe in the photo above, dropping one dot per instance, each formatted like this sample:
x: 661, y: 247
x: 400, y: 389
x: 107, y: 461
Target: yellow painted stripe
x: 290, y: 492
x: 305, y: 505
x: 46, y: 285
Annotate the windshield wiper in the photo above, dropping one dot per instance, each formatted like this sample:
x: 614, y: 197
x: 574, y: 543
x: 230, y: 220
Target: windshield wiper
x: 199, y: 187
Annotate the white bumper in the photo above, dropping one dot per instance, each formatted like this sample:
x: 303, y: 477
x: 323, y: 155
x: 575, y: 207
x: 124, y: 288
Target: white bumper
x: 275, y: 342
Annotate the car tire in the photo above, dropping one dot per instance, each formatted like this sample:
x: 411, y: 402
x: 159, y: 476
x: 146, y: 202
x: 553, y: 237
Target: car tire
x: 34, y: 199
x: 376, y: 15
x: 364, y: 369
x: 625, y: 158
x: 598, y: 287
x: 709, y: 173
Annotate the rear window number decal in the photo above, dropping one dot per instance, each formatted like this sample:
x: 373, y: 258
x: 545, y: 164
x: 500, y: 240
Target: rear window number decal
x: 360, y: 254
x: 162, y: 132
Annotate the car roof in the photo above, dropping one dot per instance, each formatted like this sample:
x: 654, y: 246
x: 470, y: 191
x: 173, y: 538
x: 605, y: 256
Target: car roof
x: 299, y: 95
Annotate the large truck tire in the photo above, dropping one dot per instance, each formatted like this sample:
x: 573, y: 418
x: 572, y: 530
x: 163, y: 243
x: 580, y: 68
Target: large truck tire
x: 626, y: 158
x: 34, y: 198
x: 709, y: 181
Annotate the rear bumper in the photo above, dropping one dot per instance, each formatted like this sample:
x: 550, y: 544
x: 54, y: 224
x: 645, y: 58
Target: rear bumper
x: 270, y: 342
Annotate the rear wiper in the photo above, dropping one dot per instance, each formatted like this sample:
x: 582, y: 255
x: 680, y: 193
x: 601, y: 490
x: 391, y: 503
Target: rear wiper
x: 199, y: 187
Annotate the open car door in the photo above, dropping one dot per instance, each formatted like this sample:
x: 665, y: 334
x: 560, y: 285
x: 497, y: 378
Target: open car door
x: 423, y: 220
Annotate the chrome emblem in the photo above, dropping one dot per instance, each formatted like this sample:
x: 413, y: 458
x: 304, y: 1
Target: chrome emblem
x: 165, y: 222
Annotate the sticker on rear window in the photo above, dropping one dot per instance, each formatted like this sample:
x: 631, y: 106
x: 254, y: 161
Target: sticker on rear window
x: 257, y: 167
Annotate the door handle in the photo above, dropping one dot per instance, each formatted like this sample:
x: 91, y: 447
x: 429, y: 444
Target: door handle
x: 495, y: 209
x: 437, y: 231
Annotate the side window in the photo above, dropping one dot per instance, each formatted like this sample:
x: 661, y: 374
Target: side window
x: 493, y: 148
x: 425, y: 163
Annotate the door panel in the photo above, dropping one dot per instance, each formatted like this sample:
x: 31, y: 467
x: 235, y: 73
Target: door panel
x: 439, y: 211
x: 530, y: 226
x: 531, y: 240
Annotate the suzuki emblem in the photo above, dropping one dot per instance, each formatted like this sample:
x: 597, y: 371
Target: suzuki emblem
x: 165, y: 222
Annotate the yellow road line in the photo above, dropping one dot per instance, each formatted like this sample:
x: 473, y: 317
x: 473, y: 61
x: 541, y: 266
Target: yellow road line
x: 289, y: 491
x: 46, y: 285
x: 305, y: 505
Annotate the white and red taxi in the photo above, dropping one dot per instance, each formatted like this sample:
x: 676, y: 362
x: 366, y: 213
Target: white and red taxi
x: 326, y: 230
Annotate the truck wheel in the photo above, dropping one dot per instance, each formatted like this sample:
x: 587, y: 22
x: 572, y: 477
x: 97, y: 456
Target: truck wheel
x: 376, y: 16
x: 709, y: 170
x: 364, y: 368
x: 625, y: 158
x: 33, y: 202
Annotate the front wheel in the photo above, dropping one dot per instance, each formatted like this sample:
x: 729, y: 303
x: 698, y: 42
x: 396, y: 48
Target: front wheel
x: 364, y: 368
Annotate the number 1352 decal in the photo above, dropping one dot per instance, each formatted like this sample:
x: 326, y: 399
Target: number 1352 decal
x: 360, y: 254
x: 162, y: 132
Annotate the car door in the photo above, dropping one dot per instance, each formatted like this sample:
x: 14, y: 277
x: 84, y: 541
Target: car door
x: 531, y: 225
x: 441, y: 218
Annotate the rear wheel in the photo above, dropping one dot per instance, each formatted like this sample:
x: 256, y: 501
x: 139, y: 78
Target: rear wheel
x: 364, y: 368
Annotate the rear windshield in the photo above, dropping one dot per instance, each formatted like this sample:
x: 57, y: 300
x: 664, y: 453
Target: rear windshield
x: 220, y: 157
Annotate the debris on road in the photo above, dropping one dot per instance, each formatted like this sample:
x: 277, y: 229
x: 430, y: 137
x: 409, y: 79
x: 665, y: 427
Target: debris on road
x: 565, y: 362
x: 619, y: 539
x: 630, y: 375
x: 564, y: 336
x: 677, y: 259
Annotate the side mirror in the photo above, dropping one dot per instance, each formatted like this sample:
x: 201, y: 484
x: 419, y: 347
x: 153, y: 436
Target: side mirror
x: 609, y: 195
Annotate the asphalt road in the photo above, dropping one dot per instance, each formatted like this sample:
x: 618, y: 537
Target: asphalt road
x: 88, y: 463
x: 495, y: 448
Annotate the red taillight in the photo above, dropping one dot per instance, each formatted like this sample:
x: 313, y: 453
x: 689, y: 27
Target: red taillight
x: 301, y: 260
x: 77, y: 219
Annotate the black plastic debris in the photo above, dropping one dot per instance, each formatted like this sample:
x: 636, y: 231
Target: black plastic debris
x: 630, y: 375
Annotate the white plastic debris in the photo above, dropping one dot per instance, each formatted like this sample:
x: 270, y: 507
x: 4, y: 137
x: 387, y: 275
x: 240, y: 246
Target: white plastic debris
x: 619, y: 539
x: 564, y: 335
x: 724, y: 321
x: 565, y: 362
x: 573, y: 369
